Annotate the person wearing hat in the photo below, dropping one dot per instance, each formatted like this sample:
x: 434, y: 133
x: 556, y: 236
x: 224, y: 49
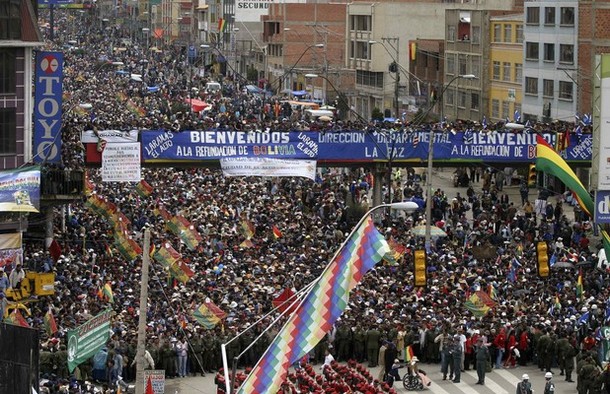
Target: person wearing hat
x: 549, y: 386
x: 16, y: 277
x: 3, y: 305
x: 524, y: 386
x: 4, y: 283
x: 482, y: 358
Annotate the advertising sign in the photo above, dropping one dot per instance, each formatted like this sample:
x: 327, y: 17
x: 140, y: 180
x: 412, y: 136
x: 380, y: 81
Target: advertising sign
x: 47, y: 106
x: 602, y: 206
x: 110, y: 136
x: 20, y: 190
x: 88, y: 339
x: 252, y: 10
x: 603, y: 177
x: 353, y: 146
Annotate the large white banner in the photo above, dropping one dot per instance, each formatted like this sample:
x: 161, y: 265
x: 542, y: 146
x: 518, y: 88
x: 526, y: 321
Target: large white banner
x: 121, y: 162
x: 268, y: 167
x: 91, y: 137
x: 603, y: 177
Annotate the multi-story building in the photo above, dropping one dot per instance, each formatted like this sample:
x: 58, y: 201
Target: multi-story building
x: 426, y: 67
x: 466, y: 53
x: 593, y: 20
x: 551, y: 53
x: 391, y: 25
x: 305, y: 38
x: 505, y: 67
x: 19, y: 36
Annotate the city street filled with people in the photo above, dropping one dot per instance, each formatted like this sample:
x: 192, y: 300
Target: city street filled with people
x: 485, y: 248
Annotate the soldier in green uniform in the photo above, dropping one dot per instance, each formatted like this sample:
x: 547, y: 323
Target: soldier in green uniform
x: 565, y: 356
x: 359, y: 341
x: 541, y: 349
x: 373, y: 337
x: 343, y: 339
x: 46, y: 361
x: 168, y: 358
x: 60, y: 360
x: 195, y: 352
x: 155, y: 350
x: 233, y: 348
x: 207, y: 355
x: 587, y: 374
x: 551, y: 350
x: 246, y: 339
x: 320, y: 350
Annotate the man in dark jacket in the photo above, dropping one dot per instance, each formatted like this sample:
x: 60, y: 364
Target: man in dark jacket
x: 481, y: 356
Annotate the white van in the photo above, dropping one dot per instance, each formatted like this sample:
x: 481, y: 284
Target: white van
x: 212, y: 87
x: 316, y: 113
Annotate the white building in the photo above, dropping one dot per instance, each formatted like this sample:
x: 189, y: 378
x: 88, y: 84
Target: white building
x: 550, y: 58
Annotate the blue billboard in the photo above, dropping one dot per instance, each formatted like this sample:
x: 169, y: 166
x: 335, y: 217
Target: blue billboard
x: 352, y: 146
x: 47, y: 107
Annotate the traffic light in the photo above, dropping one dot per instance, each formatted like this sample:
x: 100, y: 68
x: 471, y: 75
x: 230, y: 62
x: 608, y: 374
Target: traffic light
x: 542, y: 256
x: 420, y: 268
x: 531, y: 176
x: 393, y: 67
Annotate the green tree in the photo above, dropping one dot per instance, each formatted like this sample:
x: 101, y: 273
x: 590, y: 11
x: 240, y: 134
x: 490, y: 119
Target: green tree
x: 377, y: 114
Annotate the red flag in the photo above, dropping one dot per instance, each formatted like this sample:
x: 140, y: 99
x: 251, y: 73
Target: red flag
x: 149, y: 387
x: 283, y: 301
x: 55, y: 250
x: 276, y: 232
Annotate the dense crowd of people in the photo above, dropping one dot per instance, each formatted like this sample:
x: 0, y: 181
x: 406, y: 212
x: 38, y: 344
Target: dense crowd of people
x: 488, y: 245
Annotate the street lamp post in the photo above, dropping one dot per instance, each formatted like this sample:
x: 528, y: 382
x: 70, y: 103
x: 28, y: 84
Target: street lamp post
x: 289, y: 71
x: 431, y: 158
x: 407, y: 206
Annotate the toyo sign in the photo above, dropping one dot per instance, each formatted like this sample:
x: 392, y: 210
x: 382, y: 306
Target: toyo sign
x: 47, y: 107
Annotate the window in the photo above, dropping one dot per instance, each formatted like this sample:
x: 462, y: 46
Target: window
x: 531, y: 85
x: 450, y: 64
x: 476, y: 34
x: 462, y: 99
x: 508, y: 32
x: 10, y: 19
x: 7, y: 70
x: 449, y: 97
x: 566, y: 53
x: 369, y: 78
x: 549, y: 15
x: 531, y: 50
x: 565, y: 90
x: 476, y: 67
x: 495, y: 108
x: 533, y: 16
x: 362, y: 50
x: 519, y: 31
x: 518, y: 72
x: 505, y: 109
x: 497, y: 32
x: 517, y: 108
x: 8, y: 137
x: 548, y: 87
x: 506, y: 71
x: 462, y: 69
x: 474, y: 101
x: 360, y: 22
x: 567, y: 16
x: 451, y: 33
x: 496, y: 71
x: 549, y: 52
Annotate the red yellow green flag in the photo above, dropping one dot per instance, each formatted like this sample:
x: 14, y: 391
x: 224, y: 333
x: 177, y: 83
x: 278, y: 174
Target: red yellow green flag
x: 276, y: 232
x: 579, y: 286
x: 143, y: 189
x: 16, y: 319
x: 49, y: 323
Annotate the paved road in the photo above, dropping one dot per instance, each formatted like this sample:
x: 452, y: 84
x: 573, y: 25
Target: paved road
x: 502, y: 381
x: 498, y: 382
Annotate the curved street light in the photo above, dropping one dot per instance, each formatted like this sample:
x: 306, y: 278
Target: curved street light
x: 428, y: 233
x: 407, y: 206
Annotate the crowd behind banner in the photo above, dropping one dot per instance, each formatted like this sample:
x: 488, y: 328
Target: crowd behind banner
x: 259, y: 237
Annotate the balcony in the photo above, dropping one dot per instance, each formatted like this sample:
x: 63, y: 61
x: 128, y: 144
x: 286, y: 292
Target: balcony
x: 58, y: 186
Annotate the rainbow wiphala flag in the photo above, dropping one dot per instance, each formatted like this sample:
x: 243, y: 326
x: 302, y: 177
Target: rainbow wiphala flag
x: 319, y: 310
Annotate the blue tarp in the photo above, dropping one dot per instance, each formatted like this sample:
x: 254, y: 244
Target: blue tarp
x: 299, y: 92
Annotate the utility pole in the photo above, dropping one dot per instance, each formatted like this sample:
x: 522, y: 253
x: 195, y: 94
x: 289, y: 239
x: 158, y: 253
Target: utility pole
x: 394, y: 67
x: 141, y: 348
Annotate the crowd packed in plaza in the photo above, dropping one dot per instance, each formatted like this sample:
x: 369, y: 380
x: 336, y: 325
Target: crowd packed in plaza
x: 547, y: 322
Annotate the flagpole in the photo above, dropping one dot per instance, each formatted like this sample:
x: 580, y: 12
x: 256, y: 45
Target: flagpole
x: 141, y: 341
x: 282, y: 314
x: 404, y: 206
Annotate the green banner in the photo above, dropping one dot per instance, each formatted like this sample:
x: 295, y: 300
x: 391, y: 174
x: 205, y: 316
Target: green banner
x: 88, y: 339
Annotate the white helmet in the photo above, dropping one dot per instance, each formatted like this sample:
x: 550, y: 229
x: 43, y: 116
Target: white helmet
x: 525, y: 377
x: 548, y: 375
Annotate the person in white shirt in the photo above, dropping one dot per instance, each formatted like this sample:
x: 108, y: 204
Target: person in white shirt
x: 328, y: 358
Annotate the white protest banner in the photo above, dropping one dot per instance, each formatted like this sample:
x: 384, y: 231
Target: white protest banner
x: 121, y: 162
x: 268, y: 167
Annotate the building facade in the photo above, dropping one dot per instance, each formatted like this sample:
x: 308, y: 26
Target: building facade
x: 550, y: 53
x: 506, y: 67
x: 378, y: 35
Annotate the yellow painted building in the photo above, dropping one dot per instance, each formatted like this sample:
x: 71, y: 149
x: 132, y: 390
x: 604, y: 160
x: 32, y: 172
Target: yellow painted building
x: 505, y: 67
